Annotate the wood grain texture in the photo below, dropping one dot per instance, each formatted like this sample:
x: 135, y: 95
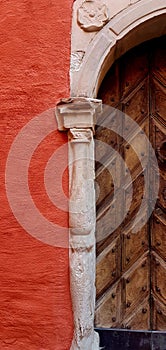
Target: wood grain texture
x: 131, y: 290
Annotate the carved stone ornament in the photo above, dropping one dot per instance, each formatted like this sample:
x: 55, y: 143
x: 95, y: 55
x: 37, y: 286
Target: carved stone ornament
x: 92, y: 15
x: 77, y: 116
x: 76, y: 60
x: 77, y: 112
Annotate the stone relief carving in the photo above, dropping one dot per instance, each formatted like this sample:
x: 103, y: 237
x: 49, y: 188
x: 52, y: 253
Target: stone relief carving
x: 76, y: 60
x: 80, y: 135
x: 92, y: 15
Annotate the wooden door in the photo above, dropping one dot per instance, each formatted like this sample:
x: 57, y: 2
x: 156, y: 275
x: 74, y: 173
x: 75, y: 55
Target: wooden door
x: 131, y: 268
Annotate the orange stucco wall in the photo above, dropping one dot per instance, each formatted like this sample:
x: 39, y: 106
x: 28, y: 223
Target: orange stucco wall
x: 35, y: 305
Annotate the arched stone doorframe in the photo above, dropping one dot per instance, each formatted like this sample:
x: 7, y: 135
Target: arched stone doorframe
x: 137, y: 23
x: 140, y: 21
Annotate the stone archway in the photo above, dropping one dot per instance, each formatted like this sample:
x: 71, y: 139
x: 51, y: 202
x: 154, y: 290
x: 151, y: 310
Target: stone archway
x: 97, y: 41
x: 137, y: 23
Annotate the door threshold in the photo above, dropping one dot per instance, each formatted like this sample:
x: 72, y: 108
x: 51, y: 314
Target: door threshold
x: 124, y: 339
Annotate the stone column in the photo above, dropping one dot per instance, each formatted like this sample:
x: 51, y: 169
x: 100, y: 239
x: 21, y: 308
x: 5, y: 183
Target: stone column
x: 77, y: 115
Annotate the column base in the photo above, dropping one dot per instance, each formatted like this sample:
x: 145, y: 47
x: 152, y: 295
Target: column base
x: 90, y: 343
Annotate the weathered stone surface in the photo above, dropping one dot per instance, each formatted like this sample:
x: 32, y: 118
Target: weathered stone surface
x: 92, y: 15
x: 131, y: 22
x: 78, y: 116
x: 76, y: 60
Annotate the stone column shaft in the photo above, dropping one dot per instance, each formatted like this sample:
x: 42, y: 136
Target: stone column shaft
x: 77, y: 115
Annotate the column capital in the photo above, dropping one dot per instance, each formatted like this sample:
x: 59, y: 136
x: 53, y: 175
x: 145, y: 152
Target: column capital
x: 77, y: 135
x: 77, y: 112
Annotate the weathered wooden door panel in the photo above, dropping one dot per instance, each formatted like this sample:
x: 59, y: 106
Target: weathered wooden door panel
x: 133, y: 246
x: 159, y: 98
x: 132, y: 159
x: 133, y: 69
x: 140, y: 319
x: 159, y: 316
x: 108, y: 312
x: 159, y: 278
x: 108, y: 266
x: 137, y: 186
x: 136, y: 105
x: 135, y: 287
x: 131, y: 267
x: 158, y: 234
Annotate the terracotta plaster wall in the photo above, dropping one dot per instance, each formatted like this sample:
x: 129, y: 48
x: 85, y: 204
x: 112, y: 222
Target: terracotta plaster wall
x: 35, y: 305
